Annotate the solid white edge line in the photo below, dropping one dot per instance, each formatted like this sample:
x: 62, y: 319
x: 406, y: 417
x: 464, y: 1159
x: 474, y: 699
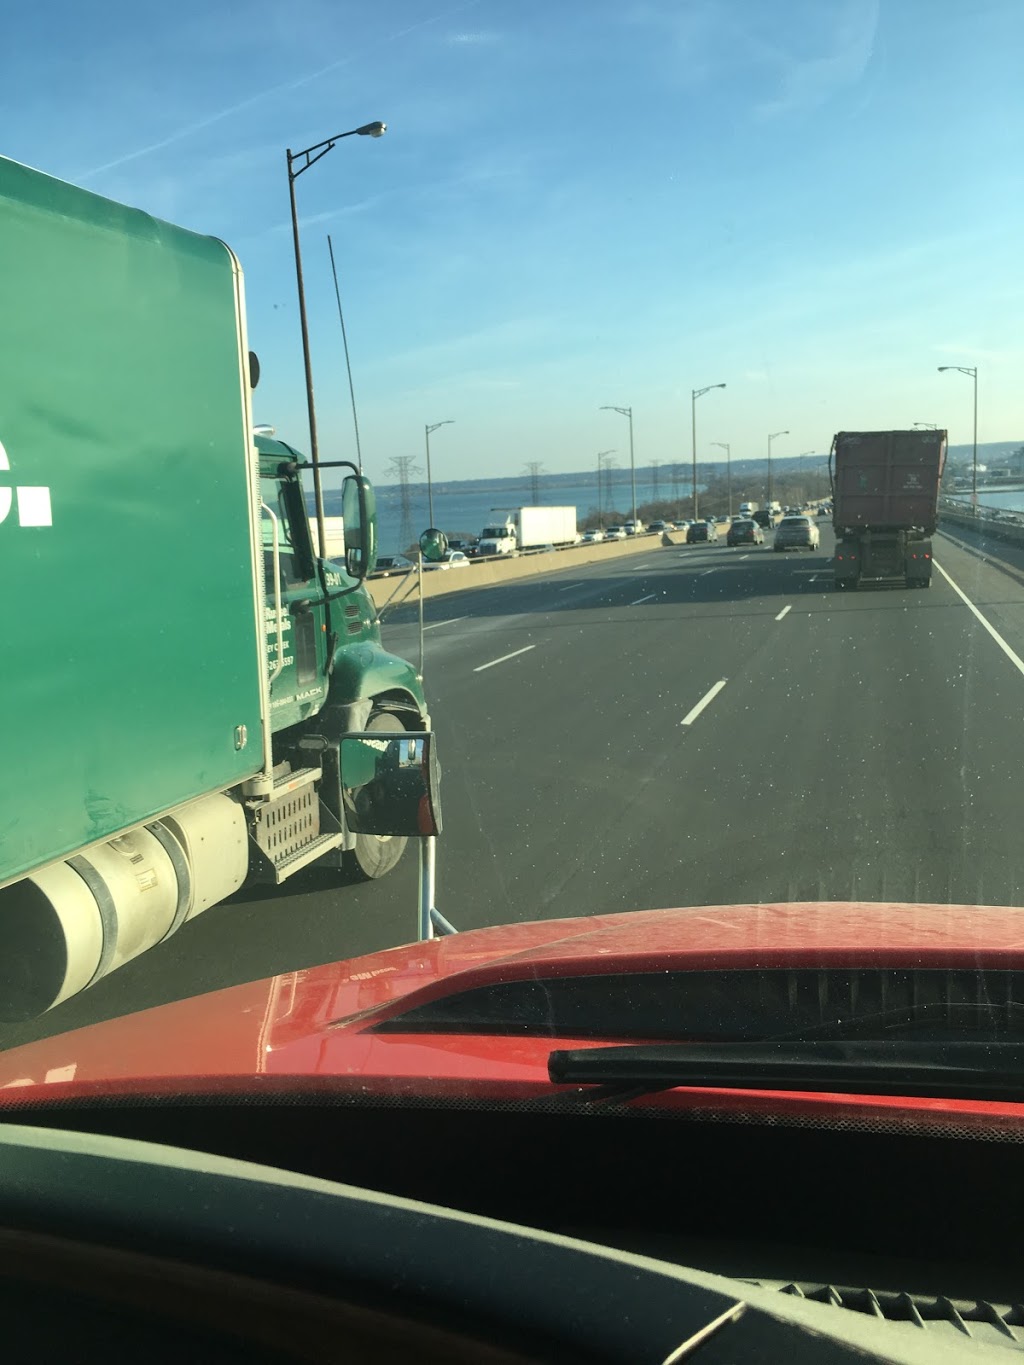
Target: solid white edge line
x: 515, y: 653
x: 434, y: 624
x: 648, y: 598
x: 1013, y: 657
x: 706, y: 700
x: 783, y: 612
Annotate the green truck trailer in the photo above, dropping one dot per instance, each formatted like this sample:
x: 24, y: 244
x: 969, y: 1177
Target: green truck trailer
x: 180, y: 665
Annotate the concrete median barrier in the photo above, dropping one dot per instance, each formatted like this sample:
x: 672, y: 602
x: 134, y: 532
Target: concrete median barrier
x: 492, y: 572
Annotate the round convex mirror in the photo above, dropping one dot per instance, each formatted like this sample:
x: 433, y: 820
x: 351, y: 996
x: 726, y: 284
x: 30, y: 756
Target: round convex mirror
x: 433, y: 545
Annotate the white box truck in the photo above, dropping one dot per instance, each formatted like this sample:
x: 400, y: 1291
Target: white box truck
x: 529, y: 528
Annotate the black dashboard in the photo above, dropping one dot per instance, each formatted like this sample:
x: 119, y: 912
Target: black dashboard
x: 452, y: 1231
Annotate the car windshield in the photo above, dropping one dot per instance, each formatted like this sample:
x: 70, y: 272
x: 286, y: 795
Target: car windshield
x: 292, y: 298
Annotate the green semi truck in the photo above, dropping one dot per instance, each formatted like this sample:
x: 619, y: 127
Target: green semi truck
x: 180, y: 666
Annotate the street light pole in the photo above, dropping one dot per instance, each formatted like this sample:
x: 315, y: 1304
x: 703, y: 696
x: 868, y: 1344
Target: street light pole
x: 303, y: 160
x: 972, y: 373
x: 771, y: 437
x: 694, y: 395
x: 723, y: 445
x: 432, y: 426
x: 627, y: 412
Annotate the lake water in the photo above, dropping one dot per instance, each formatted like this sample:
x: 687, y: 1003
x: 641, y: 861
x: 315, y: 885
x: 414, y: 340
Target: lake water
x: 1006, y: 499
x: 465, y: 509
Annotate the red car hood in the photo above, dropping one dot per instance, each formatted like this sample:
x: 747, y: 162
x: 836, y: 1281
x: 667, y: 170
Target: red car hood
x: 315, y: 1027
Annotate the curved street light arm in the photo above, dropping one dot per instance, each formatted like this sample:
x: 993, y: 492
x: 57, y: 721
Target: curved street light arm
x: 376, y: 129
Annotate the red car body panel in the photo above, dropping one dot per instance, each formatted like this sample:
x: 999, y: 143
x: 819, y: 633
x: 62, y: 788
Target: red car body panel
x: 311, y: 1029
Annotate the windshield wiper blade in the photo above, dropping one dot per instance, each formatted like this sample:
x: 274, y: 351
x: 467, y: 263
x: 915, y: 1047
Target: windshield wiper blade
x: 980, y: 1070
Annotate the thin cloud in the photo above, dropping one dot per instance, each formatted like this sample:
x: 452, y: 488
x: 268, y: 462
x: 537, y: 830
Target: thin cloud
x: 808, y: 83
x: 472, y: 39
x: 199, y: 125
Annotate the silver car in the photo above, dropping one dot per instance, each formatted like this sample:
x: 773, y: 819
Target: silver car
x: 797, y: 533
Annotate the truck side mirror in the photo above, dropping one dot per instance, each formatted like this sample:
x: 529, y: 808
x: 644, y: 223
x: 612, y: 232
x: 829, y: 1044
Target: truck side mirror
x: 391, y: 784
x: 359, y: 510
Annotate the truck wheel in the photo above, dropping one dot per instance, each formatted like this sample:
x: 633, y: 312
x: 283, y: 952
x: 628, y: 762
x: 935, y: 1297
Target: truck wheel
x: 375, y: 855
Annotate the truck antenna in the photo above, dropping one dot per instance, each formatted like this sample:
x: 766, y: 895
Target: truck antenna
x: 348, y: 366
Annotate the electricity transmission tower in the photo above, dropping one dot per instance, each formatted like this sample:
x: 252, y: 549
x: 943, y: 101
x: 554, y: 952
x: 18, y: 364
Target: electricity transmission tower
x: 534, y: 469
x: 403, y: 467
x: 605, y: 465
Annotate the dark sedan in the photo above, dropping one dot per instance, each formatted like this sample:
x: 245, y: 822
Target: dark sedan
x: 745, y: 533
x: 699, y: 531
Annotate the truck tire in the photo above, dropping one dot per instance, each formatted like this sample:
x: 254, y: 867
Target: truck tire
x: 375, y: 855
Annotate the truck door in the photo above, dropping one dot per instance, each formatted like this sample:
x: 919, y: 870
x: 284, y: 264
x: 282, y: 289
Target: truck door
x: 295, y: 631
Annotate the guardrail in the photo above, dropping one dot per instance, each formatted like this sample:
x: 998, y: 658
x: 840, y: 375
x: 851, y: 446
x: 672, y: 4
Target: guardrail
x: 995, y: 522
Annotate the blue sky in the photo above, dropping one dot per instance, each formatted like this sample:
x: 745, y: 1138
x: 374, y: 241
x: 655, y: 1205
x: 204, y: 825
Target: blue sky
x: 577, y: 203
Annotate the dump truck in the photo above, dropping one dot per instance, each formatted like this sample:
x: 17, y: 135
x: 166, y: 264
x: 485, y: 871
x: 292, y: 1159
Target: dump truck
x: 182, y: 664
x: 885, y: 493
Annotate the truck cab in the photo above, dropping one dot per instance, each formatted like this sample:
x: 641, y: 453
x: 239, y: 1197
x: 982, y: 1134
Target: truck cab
x: 499, y: 538
x: 295, y: 626
x: 327, y: 671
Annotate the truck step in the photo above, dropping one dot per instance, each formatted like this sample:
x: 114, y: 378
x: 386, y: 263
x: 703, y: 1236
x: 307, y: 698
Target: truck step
x: 309, y: 853
x: 292, y: 827
x: 275, y: 787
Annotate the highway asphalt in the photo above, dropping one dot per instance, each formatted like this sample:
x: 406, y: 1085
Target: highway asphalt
x: 687, y: 726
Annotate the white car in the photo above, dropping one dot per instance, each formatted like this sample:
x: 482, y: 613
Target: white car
x: 615, y: 533
x: 592, y: 536
x: 633, y: 528
x: 454, y: 559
